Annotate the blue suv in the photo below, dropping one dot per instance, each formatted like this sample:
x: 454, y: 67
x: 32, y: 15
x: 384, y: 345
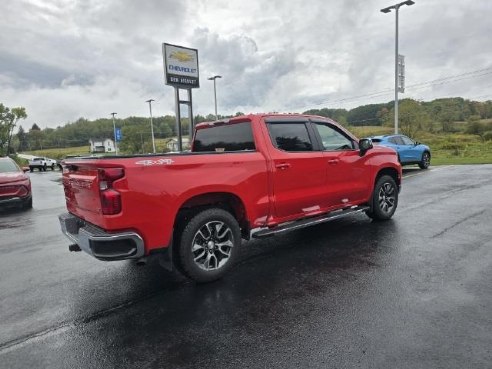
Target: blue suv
x: 409, y: 151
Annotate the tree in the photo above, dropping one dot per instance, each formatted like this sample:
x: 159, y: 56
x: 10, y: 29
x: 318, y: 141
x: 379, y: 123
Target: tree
x: 36, y: 137
x: 8, y: 121
x: 23, y: 139
x: 412, y: 117
x: 475, y: 127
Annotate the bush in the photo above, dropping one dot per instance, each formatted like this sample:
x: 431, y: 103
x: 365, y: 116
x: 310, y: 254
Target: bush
x: 487, y: 136
x: 20, y: 161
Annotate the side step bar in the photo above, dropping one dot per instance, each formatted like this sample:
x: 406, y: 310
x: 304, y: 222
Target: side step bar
x: 292, y: 226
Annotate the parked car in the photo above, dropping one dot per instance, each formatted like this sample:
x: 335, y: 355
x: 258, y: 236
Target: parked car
x: 42, y: 164
x: 409, y: 151
x: 15, y: 185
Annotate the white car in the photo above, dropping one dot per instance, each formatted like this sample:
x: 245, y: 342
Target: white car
x: 42, y: 164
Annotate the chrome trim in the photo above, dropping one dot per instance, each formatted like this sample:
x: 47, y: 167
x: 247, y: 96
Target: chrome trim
x: 82, y: 233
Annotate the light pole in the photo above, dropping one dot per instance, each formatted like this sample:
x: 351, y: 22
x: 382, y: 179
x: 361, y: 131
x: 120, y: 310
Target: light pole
x: 114, y: 133
x: 387, y: 10
x: 215, y: 94
x: 151, y: 123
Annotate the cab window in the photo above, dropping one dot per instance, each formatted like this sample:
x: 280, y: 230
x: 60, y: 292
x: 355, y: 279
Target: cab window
x: 332, y: 139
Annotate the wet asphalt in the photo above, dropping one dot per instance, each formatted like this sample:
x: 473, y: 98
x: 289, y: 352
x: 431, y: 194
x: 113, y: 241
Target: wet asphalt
x: 413, y: 292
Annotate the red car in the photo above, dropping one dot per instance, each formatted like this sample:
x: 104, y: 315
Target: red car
x: 15, y: 185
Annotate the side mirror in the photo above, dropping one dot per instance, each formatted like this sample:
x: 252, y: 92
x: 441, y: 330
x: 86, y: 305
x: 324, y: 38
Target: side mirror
x: 364, y: 145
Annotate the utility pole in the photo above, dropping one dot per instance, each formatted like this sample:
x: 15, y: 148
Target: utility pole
x: 215, y: 93
x: 114, y: 134
x: 387, y: 10
x: 151, y: 124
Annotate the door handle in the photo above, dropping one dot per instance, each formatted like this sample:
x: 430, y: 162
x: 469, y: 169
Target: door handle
x: 282, y: 166
x: 333, y: 161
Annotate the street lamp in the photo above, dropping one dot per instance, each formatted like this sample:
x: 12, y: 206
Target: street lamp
x: 151, y: 123
x: 114, y: 132
x: 387, y: 10
x: 215, y: 94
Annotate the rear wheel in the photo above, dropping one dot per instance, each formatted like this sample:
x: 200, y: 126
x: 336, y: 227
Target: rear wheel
x: 425, y: 162
x: 208, y: 245
x: 384, y: 199
x: 44, y: 168
x: 31, y: 169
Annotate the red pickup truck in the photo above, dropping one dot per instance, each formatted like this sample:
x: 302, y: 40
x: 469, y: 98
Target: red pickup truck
x: 249, y: 176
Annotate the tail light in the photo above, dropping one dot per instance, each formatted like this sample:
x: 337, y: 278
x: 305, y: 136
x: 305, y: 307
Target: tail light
x: 110, y: 198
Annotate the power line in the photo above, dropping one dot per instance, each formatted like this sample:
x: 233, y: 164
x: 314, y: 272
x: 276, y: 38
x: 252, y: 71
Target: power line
x: 417, y: 86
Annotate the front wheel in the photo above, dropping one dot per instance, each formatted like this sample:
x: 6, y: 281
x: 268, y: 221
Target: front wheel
x: 208, y: 245
x: 384, y: 199
x: 425, y: 162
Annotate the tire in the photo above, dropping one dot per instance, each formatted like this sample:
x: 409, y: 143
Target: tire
x: 31, y: 169
x: 52, y: 167
x: 209, y: 245
x: 384, y: 199
x: 425, y: 162
x: 44, y: 168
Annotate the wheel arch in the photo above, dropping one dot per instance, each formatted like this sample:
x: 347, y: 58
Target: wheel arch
x: 224, y: 200
x: 392, y: 172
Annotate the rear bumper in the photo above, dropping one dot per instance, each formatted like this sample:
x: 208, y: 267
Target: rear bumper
x: 100, y: 244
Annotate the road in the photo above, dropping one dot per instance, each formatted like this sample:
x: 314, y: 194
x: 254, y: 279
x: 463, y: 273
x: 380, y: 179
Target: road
x: 414, y: 292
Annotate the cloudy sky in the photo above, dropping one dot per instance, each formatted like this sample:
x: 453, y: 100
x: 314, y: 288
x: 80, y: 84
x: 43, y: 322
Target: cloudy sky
x: 65, y: 59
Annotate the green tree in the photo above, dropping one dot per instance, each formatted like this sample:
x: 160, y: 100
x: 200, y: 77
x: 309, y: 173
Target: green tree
x: 23, y: 139
x: 475, y: 127
x: 35, y: 137
x: 8, y: 121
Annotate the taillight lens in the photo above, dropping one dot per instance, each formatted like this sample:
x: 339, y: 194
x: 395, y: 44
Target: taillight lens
x: 110, y: 198
x: 110, y: 202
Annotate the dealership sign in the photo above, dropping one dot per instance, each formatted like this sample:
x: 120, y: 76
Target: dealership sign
x: 180, y: 66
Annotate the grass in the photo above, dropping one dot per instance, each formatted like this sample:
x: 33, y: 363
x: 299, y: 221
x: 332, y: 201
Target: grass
x: 60, y: 153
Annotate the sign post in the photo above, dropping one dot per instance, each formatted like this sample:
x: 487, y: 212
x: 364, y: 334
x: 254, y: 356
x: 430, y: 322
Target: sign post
x: 181, y: 72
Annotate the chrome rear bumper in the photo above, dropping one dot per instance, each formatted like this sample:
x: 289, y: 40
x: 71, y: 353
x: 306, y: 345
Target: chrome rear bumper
x: 100, y: 244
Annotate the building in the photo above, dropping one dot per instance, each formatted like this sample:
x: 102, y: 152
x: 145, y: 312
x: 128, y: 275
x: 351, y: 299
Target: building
x: 101, y: 145
x: 172, y: 144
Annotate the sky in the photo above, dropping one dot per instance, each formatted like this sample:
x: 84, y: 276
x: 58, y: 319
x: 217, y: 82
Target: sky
x: 67, y: 59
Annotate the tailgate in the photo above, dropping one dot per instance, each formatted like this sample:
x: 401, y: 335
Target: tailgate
x: 81, y: 186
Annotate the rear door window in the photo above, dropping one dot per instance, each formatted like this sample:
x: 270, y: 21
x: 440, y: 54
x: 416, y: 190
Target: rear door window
x: 291, y: 136
x: 224, y: 137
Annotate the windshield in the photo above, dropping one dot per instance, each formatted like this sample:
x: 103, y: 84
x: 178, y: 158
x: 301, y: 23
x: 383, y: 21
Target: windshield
x: 7, y: 166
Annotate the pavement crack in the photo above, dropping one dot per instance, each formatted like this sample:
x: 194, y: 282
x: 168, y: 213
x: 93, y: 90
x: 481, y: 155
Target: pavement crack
x: 459, y: 222
x: 24, y: 340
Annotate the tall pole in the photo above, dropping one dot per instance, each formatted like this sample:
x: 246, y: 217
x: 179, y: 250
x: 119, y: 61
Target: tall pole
x: 214, y: 78
x: 114, y: 132
x: 151, y: 124
x: 396, y: 70
x: 387, y: 10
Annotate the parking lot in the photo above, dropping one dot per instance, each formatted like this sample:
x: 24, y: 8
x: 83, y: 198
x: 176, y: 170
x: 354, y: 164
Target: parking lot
x: 413, y: 292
